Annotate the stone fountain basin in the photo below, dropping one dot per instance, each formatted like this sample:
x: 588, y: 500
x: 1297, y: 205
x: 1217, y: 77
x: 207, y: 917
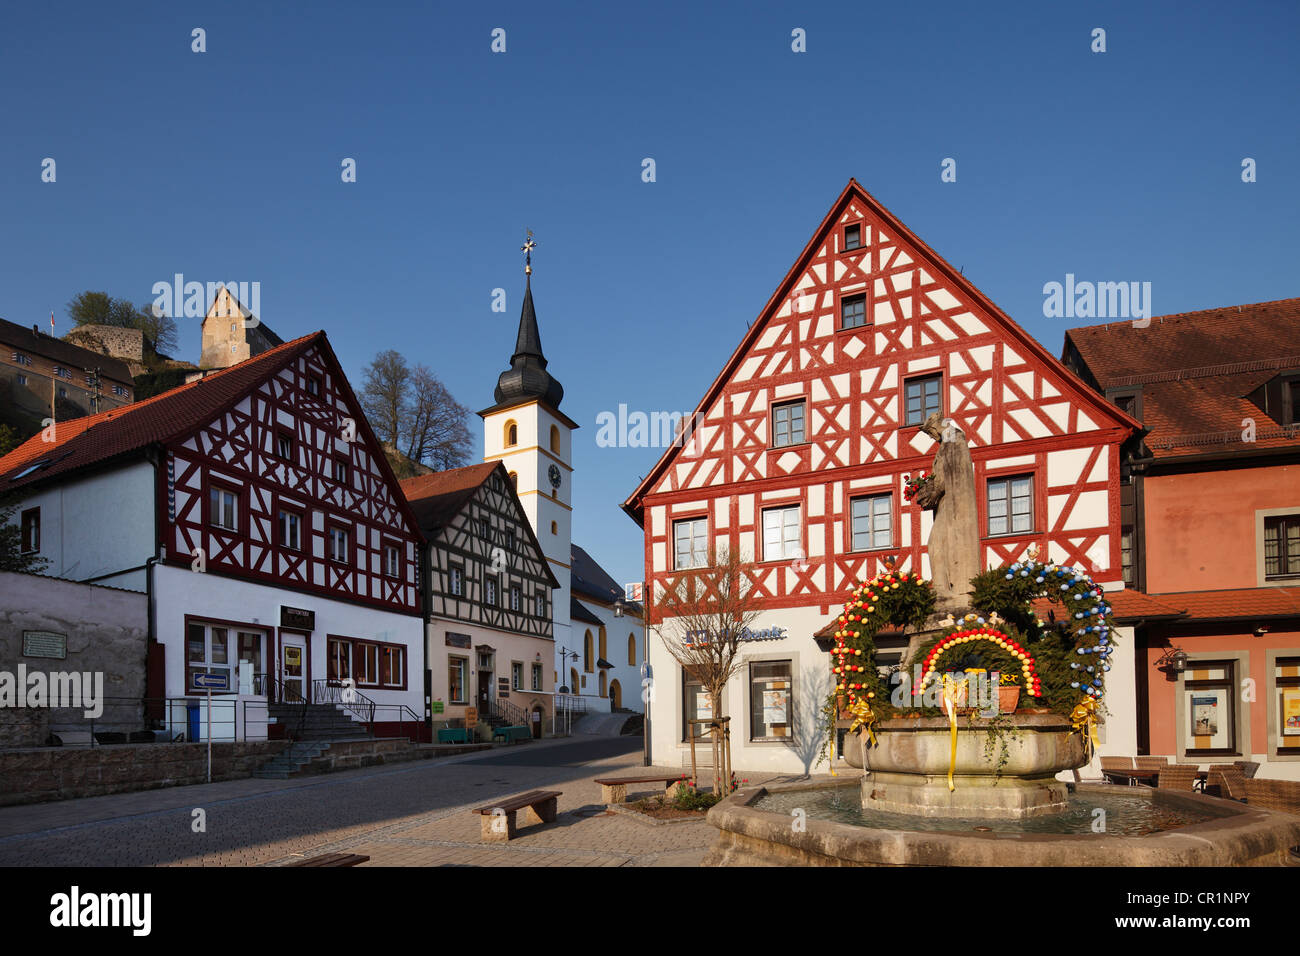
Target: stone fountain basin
x: 1242, y: 836
x: 922, y: 746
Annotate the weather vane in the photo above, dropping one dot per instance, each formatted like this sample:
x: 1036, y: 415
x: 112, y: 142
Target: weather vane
x: 527, y: 248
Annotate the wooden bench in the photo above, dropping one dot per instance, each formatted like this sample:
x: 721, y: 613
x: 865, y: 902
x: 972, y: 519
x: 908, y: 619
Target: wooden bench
x: 453, y: 735
x: 332, y: 859
x: 497, y: 823
x: 512, y: 734
x: 614, y: 789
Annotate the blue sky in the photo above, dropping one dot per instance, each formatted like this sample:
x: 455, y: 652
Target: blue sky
x: 225, y: 165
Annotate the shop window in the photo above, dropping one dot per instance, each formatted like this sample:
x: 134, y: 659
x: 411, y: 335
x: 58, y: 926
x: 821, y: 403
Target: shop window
x: 457, y: 667
x: 1286, y: 695
x: 1210, y: 699
x: 695, y: 706
x: 771, y: 709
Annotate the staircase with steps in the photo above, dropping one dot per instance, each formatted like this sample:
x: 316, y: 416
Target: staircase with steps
x: 306, y: 757
x: 326, y: 722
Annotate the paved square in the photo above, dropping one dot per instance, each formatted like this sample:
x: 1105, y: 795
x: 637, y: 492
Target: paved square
x: 415, y: 814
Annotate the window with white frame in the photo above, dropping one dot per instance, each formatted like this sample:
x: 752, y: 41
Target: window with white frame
x: 290, y: 530
x: 690, y: 543
x: 338, y: 545
x: 223, y: 508
x: 872, y: 520
x: 537, y: 677
x: 516, y: 675
x: 455, y: 580
x: 788, y: 424
x: 392, y: 561
x: 781, y: 534
x: 1011, y: 504
x: 490, y: 590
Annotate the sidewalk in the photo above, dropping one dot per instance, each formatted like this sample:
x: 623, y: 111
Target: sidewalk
x: 405, y: 815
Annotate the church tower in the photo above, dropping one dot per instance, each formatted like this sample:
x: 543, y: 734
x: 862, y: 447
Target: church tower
x: 526, y: 431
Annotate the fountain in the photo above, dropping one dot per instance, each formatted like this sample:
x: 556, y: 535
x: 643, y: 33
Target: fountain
x: 952, y: 774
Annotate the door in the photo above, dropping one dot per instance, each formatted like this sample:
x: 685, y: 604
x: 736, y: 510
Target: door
x: 484, y: 691
x: 615, y: 695
x: 293, y: 667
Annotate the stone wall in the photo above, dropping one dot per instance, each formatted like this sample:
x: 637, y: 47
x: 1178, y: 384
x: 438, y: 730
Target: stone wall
x: 106, y: 630
x: 36, y: 776
x: 126, y: 344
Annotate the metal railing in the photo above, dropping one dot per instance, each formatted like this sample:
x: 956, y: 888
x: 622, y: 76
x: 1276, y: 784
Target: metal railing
x: 511, y: 713
x: 347, y: 697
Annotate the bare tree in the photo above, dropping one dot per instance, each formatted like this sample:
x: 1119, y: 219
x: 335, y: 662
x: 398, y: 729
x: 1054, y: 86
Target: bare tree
x: 701, y: 617
x: 436, y: 432
x: 413, y: 412
x: 383, y: 395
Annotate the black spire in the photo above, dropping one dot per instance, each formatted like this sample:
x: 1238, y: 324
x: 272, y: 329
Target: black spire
x: 527, y: 377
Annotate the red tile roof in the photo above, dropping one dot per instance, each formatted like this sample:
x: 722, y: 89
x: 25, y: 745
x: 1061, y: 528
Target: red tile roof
x: 1207, y: 605
x: 438, y: 497
x: 1195, y: 370
x: 86, y: 441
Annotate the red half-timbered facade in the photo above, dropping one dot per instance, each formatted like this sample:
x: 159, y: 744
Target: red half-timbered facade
x: 799, y: 451
x: 257, y: 508
x: 295, y: 447
x: 845, y: 334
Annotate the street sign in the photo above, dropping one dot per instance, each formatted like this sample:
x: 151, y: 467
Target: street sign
x: 211, y: 681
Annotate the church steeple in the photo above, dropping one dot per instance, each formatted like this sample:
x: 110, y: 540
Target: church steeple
x: 527, y: 377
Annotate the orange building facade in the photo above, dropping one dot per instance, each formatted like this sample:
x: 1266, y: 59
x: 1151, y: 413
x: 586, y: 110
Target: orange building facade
x: 1210, y: 527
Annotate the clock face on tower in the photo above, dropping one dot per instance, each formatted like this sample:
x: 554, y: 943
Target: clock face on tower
x: 554, y: 474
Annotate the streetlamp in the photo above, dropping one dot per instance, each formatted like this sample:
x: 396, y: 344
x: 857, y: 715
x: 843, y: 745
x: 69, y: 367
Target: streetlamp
x: 565, y: 654
x: 620, y: 610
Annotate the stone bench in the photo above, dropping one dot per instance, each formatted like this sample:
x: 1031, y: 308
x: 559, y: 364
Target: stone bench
x: 331, y: 859
x: 498, y: 824
x: 614, y: 789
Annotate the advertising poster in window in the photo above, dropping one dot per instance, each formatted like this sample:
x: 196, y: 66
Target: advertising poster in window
x: 1205, y: 716
x: 1291, y: 712
x: 775, y: 707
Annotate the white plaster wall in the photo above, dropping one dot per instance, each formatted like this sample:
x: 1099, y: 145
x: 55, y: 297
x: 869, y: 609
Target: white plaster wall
x: 98, y: 525
x: 179, y: 591
x: 616, y: 632
x: 507, y: 647
x: 811, y: 678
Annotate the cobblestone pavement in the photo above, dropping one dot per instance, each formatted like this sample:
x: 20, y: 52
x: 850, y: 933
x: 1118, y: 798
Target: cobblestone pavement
x: 415, y: 814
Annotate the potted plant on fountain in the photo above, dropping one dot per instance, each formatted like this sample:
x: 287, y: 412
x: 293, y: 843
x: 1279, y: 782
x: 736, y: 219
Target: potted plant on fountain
x: 1008, y: 693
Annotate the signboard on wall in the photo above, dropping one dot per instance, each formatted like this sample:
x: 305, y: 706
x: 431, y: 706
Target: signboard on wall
x: 437, y: 707
x: 471, y: 716
x: 458, y: 640
x: 298, y: 618
x: 45, y: 644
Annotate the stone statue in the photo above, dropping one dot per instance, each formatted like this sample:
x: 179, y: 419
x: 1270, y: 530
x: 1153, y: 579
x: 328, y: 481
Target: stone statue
x: 954, y: 542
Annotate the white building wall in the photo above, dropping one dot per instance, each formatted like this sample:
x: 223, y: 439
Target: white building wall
x: 810, y: 676
x: 628, y: 675
x: 98, y: 525
x: 179, y: 591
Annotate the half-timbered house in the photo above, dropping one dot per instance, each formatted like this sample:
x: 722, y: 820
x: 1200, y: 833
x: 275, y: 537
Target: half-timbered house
x: 490, y: 637
x: 258, y: 511
x: 803, y: 442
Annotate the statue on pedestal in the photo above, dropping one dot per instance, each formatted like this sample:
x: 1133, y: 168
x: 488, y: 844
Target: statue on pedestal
x: 954, y: 542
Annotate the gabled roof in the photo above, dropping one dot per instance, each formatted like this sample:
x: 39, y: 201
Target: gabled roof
x: 111, y: 434
x: 95, y: 440
x: 588, y: 579
x: 74, y: 357
x: 435, y: 499
x: 1195, y: 370
x: 245, y: 313
x: 579, y: 612
x: 855, y: 191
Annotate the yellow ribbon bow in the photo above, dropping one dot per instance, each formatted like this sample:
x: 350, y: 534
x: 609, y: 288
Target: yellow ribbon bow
x: 1083, y: 720
x: 950, y: 687
x: 863, y: 717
